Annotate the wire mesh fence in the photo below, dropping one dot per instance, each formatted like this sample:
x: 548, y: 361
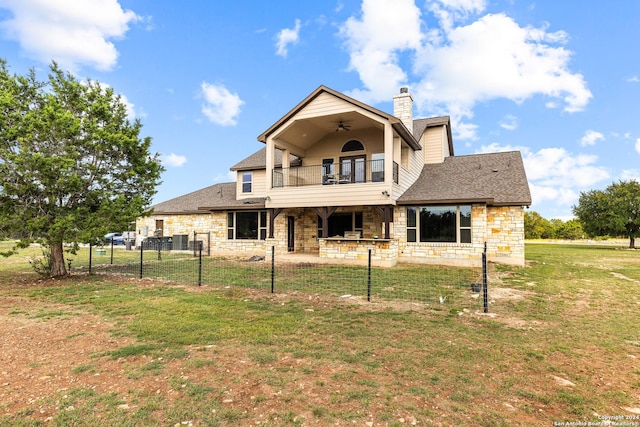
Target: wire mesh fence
x: 435, y: 285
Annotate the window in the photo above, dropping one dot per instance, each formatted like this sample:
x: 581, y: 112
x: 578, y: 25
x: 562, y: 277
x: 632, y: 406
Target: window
x: 353, y: 169
x: 247, y: 180
x: 451, y: 224
x: 247, y: 225
x: 341, y: 222
x: 352, y: 145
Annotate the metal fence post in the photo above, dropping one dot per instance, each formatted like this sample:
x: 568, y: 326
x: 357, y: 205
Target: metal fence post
x: 369, y: 278
x: 273, y: 267
x: 195, y: 242
x: 485, y: 291
x: 90, y: 256
x: 141, y: 256
x: 200, y: 268
x: 111, y: 250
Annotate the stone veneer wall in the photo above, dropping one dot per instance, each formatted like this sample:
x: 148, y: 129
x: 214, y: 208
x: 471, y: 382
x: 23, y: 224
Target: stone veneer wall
x: 501, y: 227
x: 215, y: 222
x: 384, y: 253
x: 306, y: 228
x: 505, y: 234
x: 174, y: 224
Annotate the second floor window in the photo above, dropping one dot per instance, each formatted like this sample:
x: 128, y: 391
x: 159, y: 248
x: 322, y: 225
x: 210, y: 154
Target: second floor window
x: 247, y: 181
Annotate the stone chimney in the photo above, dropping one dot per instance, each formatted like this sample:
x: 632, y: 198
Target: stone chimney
x: 403, y: 108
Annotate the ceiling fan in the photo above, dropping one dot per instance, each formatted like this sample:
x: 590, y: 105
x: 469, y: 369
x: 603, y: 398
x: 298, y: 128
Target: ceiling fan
x: 342, y: 126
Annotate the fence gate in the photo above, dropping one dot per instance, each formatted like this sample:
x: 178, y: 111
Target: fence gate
x: 203, y: 240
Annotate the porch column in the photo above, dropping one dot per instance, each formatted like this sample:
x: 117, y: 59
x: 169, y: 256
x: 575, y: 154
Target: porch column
x: 387, y: 215
x: 270, y: 152
x: 325, y: 213
x: 272, y: 218
x: 388, y: 154
x: 285, y: 158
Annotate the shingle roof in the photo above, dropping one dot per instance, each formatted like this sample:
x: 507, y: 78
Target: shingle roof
x: 258, y: 160
x: 498, y: 179
x: 215, y: 197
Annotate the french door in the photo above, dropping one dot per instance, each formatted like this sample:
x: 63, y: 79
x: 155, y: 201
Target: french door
x: 353, y: 169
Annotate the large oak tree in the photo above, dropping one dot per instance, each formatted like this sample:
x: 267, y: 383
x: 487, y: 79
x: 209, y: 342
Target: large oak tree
x: 614, y: 211
x: 72, y: 163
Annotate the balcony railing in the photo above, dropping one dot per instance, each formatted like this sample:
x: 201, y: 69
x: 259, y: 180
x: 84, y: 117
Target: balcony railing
x: 354, y: 171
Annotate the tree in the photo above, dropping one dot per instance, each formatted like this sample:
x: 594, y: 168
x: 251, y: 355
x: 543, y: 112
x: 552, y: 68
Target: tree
x: 614, y: 211
x: 569, y: 230
x: 537, y: 227
x: 72, y: 164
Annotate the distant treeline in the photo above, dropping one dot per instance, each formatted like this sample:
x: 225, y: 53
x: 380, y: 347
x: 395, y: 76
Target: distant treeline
x: 537, y: 227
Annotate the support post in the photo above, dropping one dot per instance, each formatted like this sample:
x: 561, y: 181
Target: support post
x: 195, y: 242
x: 200, y: 268
x: 485, y: 291
x: 273, y: 268
x: 141, y: 256
x: 90, y: 256
x: 111, y: 250
x: 369, y: 278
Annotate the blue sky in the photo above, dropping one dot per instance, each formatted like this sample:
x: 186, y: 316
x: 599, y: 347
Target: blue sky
x: 557, y: 80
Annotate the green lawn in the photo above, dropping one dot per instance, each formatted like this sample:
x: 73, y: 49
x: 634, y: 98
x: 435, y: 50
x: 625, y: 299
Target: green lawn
x: 561, y: 344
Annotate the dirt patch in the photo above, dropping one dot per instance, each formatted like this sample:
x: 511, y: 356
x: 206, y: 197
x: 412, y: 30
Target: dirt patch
x: 42, y: 344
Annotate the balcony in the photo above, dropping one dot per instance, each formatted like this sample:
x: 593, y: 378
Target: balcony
x: 349, y: 171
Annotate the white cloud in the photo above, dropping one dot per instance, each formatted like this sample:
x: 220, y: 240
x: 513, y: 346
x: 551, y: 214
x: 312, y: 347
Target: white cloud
x: 71, y: 32
x: 630, y: 174
x: 286, y: 37
x: 221, y: 106
x: 555, y: 174
x: 510, y: 122
x: 638, y: 145
x: 385, y: 28
x: 173, y: 160
x: 633, y: 79
x: 591, y: 137
x: 450, y: 11
x: 496, y: 58
x: 460, y: 63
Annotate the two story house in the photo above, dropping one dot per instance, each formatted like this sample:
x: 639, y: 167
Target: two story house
x: 337, y: 178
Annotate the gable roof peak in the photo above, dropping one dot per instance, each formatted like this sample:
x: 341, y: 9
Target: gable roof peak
x: 395, y: 121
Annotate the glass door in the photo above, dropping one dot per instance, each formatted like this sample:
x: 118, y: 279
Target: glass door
x: 353, y: 169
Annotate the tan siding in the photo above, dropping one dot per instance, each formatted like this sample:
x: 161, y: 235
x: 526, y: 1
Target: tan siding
x: 323, y: 105
x: 331, y: 146
x: 329, y: 195
x: 433, y: 145
x: 409, y: 175
x: 259, y: 185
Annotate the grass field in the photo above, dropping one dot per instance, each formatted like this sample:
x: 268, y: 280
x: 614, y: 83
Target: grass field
x: 561, y: 344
